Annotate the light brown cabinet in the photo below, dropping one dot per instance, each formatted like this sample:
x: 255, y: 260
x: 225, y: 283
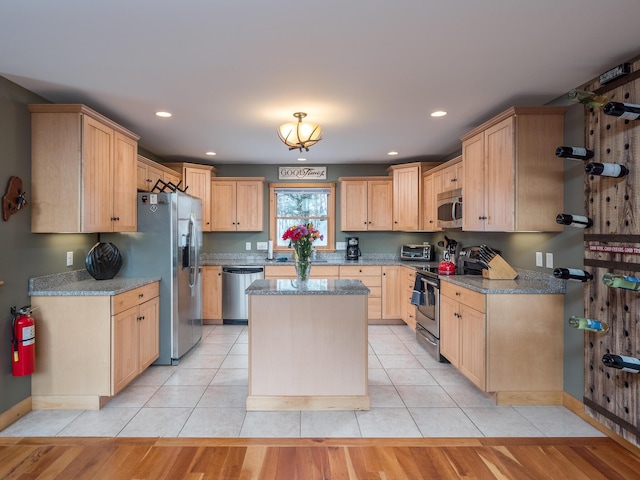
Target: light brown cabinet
x: 509, y: 345
x: 289, y: 271
x: 448, y: 176
x: 366, y: 204
x: 90, y: 347
x: 237, y: 204
x: 212, y: 294
x: 513, y: 180
x: 408, y: 309
x: 149, y: 172
x: 83, y: 169
x: 197, y: 180
x: 371, y: 277
x: 391, y: 290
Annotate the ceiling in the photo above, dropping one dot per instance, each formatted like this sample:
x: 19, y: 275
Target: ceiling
x: 368, y: 71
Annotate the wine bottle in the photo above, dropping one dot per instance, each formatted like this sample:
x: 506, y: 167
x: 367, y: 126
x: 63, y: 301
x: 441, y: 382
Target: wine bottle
x: 628, y: 111
x: 578, y: 221
x: 625, y: 282
x: 587, y: 98
x: 606, y: 169
x: 588, y: 324
x: 572, y: 274
x: 621, y: 362
x: 579, y: 153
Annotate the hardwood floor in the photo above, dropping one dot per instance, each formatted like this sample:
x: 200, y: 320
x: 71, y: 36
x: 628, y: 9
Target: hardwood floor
x: 37, y: 458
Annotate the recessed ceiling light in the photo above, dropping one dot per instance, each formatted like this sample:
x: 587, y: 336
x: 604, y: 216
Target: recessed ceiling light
x: 302, y: 159
x: 391, y: 154
x: 163, y: 114
x: 211, y: 154
x: 438, y: 113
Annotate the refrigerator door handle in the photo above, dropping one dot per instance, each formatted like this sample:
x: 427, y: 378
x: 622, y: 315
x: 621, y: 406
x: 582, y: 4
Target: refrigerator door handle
x: 193, y: 252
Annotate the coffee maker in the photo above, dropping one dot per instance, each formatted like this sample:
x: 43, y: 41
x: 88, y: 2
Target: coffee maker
x: 353, y: 248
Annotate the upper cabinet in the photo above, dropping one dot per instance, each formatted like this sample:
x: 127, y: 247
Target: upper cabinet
x: 447, y: 176
x: 407, y: 195
x: 83, y: 171
x: 513, y: 180
x: 366, y: 204
x: 197, y: 180
x: 237, y: 204
x: 149, y: 172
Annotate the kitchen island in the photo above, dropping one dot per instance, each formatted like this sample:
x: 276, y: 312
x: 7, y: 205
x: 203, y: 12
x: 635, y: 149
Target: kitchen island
x: 308, y: 345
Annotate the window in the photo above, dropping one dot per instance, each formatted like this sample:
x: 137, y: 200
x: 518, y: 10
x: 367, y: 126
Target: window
x: 295, y: 203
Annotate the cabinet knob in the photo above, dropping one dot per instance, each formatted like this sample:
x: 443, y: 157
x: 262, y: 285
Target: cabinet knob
x: 140, y: 295
x: 457, y: 294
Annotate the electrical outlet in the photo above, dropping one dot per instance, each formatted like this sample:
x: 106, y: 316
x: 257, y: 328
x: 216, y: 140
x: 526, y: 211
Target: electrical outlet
x: 262, y: 246
x: 247, y: 246
x: 539, y: 259
x: 69, y: 259
x: 341, y: 245
x: 549, y: 260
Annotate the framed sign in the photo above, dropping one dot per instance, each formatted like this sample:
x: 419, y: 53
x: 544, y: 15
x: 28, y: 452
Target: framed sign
x: 302, y: 173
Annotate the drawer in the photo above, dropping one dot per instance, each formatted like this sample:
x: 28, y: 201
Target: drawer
x: 374, y: 307
x: 463, y: 295
x: 131, y: 298
x: 357, y: 271
x: 281, y: 271
x: 325, y: 271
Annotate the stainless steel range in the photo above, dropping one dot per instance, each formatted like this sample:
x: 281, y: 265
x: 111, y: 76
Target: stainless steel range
x: 427, y: 301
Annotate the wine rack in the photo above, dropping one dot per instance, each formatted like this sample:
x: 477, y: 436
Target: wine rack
x: 612, y: 244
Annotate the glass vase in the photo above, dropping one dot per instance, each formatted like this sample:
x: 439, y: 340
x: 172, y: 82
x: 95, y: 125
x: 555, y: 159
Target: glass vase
x: 303, y: 269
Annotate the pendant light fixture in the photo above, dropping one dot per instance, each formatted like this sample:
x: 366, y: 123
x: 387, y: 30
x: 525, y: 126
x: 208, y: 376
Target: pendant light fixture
x: 300, y: 135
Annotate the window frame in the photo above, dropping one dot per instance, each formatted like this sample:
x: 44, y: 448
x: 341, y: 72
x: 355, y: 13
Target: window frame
x: 331, y: 213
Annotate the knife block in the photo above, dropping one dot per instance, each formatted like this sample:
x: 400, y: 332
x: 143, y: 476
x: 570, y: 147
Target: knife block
x: 499, y: 269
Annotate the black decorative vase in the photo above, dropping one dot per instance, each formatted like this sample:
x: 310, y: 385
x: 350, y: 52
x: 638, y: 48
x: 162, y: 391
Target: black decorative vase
x: 103, y: 261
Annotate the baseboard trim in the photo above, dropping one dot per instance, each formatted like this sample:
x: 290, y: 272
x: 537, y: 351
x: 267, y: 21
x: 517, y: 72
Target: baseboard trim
x: 15, y: 413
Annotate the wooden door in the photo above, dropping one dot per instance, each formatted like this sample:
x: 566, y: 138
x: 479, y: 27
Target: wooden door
x: 473, y: 203
x: 199, y: 182
x: 380, y: 205
x: 149, y: 332
x: 249, y: 206
x: 97, y: 176
x: 124, y: 348
x: 450, y: 330
x: 472, y: 345
x: 391, y: 292
x: 354, y: 215
x: 142, y: 178
x: 406, y: 185
x: 212, y: 293
x: 499, y: 177
x: 125, y: 205
x: 223, y: 206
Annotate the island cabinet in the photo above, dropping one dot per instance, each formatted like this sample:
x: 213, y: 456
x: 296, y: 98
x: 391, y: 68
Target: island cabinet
x: 91, y: 346
x: 237, y: 204
x: 197, y: 180
x: 366, y: 204
x: 83, y: 171
x: 513, y: 180
x: 149, y: 172
x: 212, y: 294
x: 509, y: 345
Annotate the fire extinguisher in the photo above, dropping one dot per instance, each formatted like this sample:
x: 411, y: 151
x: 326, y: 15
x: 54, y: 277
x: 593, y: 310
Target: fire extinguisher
x: 23, y: 340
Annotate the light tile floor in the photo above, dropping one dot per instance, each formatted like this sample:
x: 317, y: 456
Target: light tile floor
x: 412, y: 395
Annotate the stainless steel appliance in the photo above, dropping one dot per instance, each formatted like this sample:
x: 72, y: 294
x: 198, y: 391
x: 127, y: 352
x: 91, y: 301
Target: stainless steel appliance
x: 353, y: 248
x: 235, y: 303
x: 450, y: 209
x: 418, y: 253
x: 427, y: 301
x: 167, y: 245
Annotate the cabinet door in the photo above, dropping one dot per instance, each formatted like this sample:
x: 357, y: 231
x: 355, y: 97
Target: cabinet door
x: 450, y: 330
x: 249, y: 206
x: 97, y: 176
x: 391, y: 291
x: 354, y: 213
x: 499, y: 176
x: 172, y: 177
x: 472, y: 345
x: 125, y: 348
x: 149, y: 332
x: 223, y: 206
x: 125, y: 208
x: 429, y: 205
x: 142, y: 179
x: 473, y: 206
x: 212, y: 293
x: 199, y: 182
x: 406, y: 184
x: 153, y: 175
x: 380, y: 205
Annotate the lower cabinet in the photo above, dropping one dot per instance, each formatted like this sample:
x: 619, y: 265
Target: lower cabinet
x: 391, y: 288
x: 371, y: 276
x: 408, y: 310
x: 509, y: 345
x: 289, y: 271
x: 212, y: 294
x: 90, y: 347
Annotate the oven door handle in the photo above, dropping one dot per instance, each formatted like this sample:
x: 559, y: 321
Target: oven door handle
x: 425, y: 334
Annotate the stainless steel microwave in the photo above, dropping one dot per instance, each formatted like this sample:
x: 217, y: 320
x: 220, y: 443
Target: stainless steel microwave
x: 450, y: 209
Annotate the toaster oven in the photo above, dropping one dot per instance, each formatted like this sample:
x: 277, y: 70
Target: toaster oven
x: 421, y: 253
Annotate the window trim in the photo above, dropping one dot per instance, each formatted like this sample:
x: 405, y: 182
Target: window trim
x: 331, y: 213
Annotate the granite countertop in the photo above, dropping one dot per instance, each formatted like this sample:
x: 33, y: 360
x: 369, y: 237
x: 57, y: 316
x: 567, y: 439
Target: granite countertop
x: 233, y: 260
x: 527, y: 282
x: 80, y: 283
x: 311, y: 287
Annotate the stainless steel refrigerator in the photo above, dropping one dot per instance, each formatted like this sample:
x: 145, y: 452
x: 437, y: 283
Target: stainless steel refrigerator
x: 168, y: 245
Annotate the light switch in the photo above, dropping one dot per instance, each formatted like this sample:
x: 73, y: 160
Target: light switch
x: 69, y: 259
x: 248, y: 246
x: 549, y: 260
x: 539, y: 262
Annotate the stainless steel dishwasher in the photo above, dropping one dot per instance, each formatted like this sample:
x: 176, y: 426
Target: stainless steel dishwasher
x: 235, y: 303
